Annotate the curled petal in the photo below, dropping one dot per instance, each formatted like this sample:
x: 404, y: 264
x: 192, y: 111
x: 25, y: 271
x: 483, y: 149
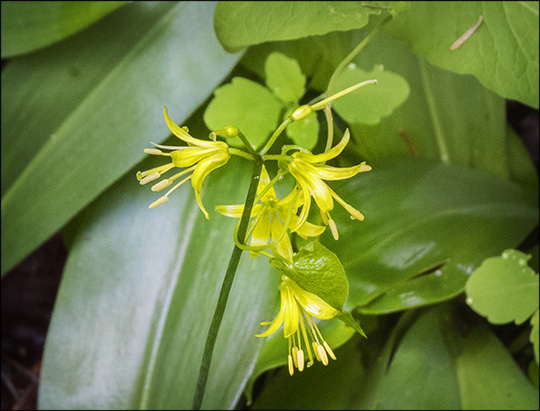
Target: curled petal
x: 276, y: 323
x: 263, y: 182
x: 205, y: 167
x: 332, y: 153
x: 235, y: 211
x: 284, y: 246
x: 310, y: 230
x: 290, y: 322
x: 337, y: 173
x: 187, y: 156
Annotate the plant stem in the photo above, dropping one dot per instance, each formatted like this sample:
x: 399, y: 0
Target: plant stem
x: 226, y: 287
x: 276, y: 134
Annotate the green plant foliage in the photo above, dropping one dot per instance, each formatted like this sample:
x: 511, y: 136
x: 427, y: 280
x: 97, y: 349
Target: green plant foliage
x: 410, y: 250
x: 504, y: 288
x: 373, y: 102
x: 241, y: 24
x: 246, y: 105
x: 284, y: 77
x: 136, y: 299
x: 304, y: 132
x: 30, y: 25
x: 501, y: 53
x: 58, y: 150
x: 434, y: 366
x: 316, y: 269
x: 535, y: 339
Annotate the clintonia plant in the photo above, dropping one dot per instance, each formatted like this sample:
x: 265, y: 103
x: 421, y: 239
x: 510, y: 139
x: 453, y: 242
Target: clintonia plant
x: 313, y: 281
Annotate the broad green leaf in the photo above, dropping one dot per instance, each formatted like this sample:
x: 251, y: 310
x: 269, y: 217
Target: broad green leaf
x: 138, y: 293
x: 435, y: 367
x: 489, y: 378
x: 304, y: 132
x: 317, y: 269
x: 284, y: 77
x: 252, y: 108
x: 427, y: 227
x: 504, y: 288
x: 502, y: 53
x: 241, y: 24
x: 31, y: 25
x: 372, y: 102
x: 77, y: 115
x: 447, y: 117
x: 535, y: 339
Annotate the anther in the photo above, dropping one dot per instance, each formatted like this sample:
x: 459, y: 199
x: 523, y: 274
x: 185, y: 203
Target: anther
x: 300, y: 360
x: 159, y: 201
x: 333, y: 228
x: 150, y: 177
x: 161, y: 185
x: 153, y: 151
x: 329, y: 350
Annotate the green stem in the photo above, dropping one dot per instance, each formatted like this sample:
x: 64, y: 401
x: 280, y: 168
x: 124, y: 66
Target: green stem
x: 226, y: 287
x: 247, y: 144
x: 276, y: 134
x: 240, y: 153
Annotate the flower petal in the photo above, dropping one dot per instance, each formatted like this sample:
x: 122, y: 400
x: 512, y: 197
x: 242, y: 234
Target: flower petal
x: 284, y: 246
x: 332, y: 153
x: 183, y: 135
x: 276, y: 323
x: 310, y: 230
x: 205, y: 167
x: 312, y: 303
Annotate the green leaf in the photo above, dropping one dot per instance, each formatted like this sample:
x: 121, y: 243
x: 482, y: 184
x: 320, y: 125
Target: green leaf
x: 138, y: 293
x: 284, y: 77
x: 31, y: 25
x: 435, y: 367
x: 77, y: 115
x: 252, y: 108
x: 373, y: 102
x: 316, y: 269
x: 504, y: 289
x: 427, y: 227
x: 502, y: 53
x: 535, y: 339
x: 241, y: 24
x: 304, y: 132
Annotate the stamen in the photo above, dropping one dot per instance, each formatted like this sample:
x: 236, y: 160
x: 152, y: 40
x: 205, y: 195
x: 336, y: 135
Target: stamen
x: 316, y: 350
x: 295, y: 356
x: 161, y: 185
x: 153, y: 151
x: 300, y: 360
x: 150, y: 177
x: 178, y: 185
x: 329, y: 350
x: 306, y: 339
x: 333, y: 228
x: 291, y: 366
x: 159, y: 201
x: 322, y: 353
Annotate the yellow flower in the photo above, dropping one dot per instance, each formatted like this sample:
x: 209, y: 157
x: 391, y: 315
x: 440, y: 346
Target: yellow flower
x: 271, y: 219
x: 309, y: 173
x: 298, y: 307
x: 200, y: 156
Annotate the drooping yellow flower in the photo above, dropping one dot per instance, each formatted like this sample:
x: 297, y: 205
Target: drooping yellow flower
x: 272, y: 217
x: 310, y: 174
x: 298, y: 307
x: 200, y: 156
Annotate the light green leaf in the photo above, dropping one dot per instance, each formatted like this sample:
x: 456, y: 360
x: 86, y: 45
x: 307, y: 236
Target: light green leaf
x: 304, y: 132
x: 535, y: 338
x: 502, y: 53
x: 504, y: 289
x: 250, y: 107
x: 31, y: 25
x: 137, y: 296
x: 77, y: 115
x: 427, y: 227
x: 284, y: 77
x: 241, y: 24
x: 372, y: 102
x: 316, y: 269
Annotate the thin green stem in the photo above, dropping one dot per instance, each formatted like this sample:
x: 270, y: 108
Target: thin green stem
x: 226, y: 287
x: 276, y: 134
x: 343, y: 64
x: 240, y: 153
x: 247, y: 144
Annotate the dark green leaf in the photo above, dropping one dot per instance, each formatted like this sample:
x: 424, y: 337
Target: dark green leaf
x: 31, y: 25
x: 316, y: 269
x: 427, y: 227
x: 535, y: 339
x: 77, y: 115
